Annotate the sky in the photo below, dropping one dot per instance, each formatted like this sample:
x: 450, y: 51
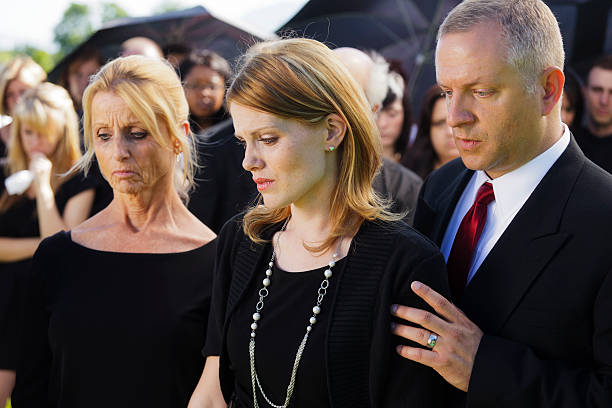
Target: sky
x: 32, y: 21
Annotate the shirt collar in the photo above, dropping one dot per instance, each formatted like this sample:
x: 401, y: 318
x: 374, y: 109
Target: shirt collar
x: 514, y: 188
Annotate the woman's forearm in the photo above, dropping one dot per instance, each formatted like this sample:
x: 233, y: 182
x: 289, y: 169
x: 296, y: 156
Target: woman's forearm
x: 76, y: 211
x: 49, y: 219
x: 208, y: 391
x: 17, y: 249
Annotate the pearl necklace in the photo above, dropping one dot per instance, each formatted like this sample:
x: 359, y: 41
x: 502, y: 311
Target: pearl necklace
x: 263, y: 292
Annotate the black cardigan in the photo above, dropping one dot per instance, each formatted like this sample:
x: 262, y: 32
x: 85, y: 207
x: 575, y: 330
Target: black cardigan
x: 363, y: 369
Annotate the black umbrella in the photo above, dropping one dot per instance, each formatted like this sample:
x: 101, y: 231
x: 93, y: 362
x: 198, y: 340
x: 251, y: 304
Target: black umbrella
x: 194, y: 27
x: 405, y: 30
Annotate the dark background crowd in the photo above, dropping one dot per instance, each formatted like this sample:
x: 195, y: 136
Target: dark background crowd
x: 387, y: 44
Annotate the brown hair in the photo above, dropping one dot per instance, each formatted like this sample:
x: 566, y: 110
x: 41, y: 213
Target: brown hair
x: 301, y: 79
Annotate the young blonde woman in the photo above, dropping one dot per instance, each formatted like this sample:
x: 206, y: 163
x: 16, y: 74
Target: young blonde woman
x: 16, y: 78
x: 44, y: 141
x: 117, y: 306
x: 305, y: 280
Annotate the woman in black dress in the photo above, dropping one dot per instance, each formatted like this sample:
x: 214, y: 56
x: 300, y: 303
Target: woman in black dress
x: 44, y: 144
x: 304, y: 281
x: 117, y: 307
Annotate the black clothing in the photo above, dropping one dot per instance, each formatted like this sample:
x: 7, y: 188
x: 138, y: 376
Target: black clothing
x: 543, y: 295
x: 361, y: 365
x: 597, y: 149
x: 3, y: 161
x: 400, y: 185
x: 223, y: 187
x: 108, y: 329
x: 288, y: 307
x: 21, y: 221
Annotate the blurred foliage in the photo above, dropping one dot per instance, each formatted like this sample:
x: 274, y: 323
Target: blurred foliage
x: 74, y: 28
x: 167, y: 6
x: 41, y: 57
x: 111, y: 11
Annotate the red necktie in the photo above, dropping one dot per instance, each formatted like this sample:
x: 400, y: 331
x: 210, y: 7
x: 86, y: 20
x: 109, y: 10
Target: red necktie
x: 462, y: 252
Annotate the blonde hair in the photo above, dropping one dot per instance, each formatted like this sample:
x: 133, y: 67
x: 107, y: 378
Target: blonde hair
x: 25, y: 70
x: 302, y: 79
x: 153, y: 91
x: 528, y: 27
x: 49, y: 110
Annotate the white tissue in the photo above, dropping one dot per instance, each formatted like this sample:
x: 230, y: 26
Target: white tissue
x: 19, y: 182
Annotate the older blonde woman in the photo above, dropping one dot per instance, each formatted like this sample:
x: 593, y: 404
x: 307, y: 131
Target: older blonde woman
x: 118, y: 306
x: 304, y: 281
x: 44, y: 141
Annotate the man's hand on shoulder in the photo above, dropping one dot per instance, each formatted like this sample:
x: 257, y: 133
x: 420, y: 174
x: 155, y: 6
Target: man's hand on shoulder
x: 452, y: 338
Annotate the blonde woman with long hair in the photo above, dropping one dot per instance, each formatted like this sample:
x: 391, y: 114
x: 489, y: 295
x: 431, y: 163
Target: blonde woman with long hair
x: 45, y: 143
x: 304, y: 281
x: 16, y: 78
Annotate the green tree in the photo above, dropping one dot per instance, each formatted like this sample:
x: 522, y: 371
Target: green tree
x: 112, y: 11
x: 74, y: 27
x: 41, y: 57
x: 167, y: 6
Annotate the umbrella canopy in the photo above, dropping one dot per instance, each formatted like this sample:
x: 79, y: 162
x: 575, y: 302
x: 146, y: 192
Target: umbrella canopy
x: 405, y: 30
x: 194, y: 27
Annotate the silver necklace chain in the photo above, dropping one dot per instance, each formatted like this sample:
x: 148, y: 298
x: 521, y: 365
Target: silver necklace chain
x: 263, y: 292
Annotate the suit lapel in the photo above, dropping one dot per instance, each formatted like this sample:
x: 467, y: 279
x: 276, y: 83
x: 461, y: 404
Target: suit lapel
x: 525, y: 248
x: 446, y: 204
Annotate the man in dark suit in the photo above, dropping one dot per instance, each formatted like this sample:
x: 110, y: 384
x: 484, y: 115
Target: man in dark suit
x: 524, y: 221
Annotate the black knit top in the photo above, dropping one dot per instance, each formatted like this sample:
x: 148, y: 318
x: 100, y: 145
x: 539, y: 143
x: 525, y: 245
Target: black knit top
x: 361, y: 365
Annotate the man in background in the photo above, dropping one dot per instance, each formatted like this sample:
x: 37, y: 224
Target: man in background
x: 595, y: 139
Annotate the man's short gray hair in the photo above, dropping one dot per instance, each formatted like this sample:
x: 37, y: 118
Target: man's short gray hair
x: 529, y: 28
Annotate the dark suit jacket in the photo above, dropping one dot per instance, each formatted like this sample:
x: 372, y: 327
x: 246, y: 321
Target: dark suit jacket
x: 543, y: 295
x: 400, y: 185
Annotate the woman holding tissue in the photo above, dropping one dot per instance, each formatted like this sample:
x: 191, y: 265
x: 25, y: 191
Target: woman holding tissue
x: 38, y: 201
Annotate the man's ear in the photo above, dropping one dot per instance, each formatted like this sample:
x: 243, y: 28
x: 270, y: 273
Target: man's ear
x: 553, y: 81
x: 336, y: 129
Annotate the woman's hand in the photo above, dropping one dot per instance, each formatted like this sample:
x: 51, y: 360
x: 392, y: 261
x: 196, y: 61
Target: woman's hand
x: 41, y: 166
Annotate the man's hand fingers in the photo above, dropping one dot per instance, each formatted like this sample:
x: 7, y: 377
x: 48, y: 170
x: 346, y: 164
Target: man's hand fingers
x: 421, y: 356
x: 421, y: 317
x: 416, y: 334
x: 439, y: 303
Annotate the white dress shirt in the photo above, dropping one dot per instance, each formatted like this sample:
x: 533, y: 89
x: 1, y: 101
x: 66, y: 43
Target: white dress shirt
x: 511, y: 192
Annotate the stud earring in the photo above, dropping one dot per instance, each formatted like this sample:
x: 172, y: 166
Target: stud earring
x: 177, y: 147
x: 331, y: 148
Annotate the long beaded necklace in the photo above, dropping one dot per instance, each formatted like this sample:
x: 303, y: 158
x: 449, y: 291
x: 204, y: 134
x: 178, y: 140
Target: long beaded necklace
x: 263, y: 292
